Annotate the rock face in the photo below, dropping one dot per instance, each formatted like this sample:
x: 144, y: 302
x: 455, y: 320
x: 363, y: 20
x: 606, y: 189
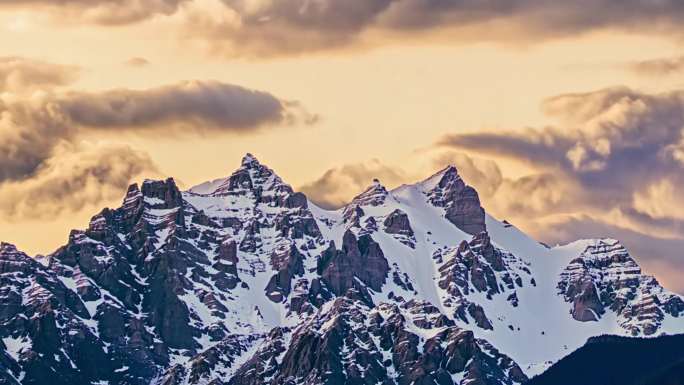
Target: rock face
x: 606, y: 276
x: 398, y: 223
x: 359, y: 260
x: 478, y: 267
x: 460, y: 201
x: 244, y: 281
x: 349, y: 342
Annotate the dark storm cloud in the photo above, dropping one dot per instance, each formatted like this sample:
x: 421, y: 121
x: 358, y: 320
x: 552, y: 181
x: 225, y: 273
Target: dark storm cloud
x: 21, y: 75
x: 31, y: 127
x: 75, y: 175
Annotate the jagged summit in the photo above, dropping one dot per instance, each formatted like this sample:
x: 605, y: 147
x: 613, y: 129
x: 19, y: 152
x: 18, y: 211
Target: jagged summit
x: 241, y: 281
x: 251, y: 176
x: 249, y: 160
x: 450, y: 172
x: 373, y: 195
x: 7, y: 247
x: 461, y: 202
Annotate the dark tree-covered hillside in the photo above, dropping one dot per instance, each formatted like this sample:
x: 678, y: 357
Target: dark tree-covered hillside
x: 613, y: 360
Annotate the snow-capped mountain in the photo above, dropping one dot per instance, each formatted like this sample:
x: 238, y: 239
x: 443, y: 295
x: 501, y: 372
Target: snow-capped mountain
x: 242, y: 280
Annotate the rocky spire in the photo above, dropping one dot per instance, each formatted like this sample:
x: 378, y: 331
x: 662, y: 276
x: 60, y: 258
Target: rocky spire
x: 10, y: 253
x: 250, y: 176
x: 374, y: 195
x: 6, y: 248
x: 161, y: 194
x: 250, y: 160
x: 461, y: 202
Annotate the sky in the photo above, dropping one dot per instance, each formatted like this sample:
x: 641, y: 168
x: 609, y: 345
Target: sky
x: 567, y: 117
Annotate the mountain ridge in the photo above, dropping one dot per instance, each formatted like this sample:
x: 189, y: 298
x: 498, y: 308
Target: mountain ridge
x: 243, y: 280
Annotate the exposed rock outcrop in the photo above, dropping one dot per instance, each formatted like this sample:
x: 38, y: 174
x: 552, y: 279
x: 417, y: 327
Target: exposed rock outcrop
x: 605, y: 276
x: 359, y: 259
x: 461, y: 202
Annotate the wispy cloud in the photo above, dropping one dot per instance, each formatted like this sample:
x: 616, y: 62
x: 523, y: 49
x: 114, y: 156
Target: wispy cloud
x: 24, y: 75
x: 137, y: 62
x: 658, y: 67
x: 105, y: 12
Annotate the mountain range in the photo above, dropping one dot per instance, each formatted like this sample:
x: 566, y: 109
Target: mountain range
x: 243, y: 280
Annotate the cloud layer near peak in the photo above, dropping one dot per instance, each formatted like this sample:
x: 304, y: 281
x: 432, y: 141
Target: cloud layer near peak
x: 76, y: 175
x: 31, y: 127
x: 608, y: 138
x: 338, y: 185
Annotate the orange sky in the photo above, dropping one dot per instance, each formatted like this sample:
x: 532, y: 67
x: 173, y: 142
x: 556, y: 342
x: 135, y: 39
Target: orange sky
x: 382, y: 99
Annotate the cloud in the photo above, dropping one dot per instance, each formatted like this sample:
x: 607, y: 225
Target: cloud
x: 265, y: 27
x: 532, y: 195
x: 284, y: 27
x: 106, y: 12
x: 137, y: 62
x: 31, y: 127
x: 339, y: 185
x: 611, y: 140
x: 193, y: 105
x: 75, y: 176
x: 23, y: 75
x: 658, y: 67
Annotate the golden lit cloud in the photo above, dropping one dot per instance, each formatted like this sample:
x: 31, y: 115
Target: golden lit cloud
x: 23, y: 75
x: 31, y: 127
x: 75, y: 175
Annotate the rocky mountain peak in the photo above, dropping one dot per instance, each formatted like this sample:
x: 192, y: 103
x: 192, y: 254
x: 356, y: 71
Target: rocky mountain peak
x: 250, y: 160
x: 242, y: 282
x: 253, y: 178
x: 605, y: 276
x: 7, y: 249
x: 373, y: 195
x: 461, y: 202
x: 162, y: 194
x: 441, y: 178
x: 449, y: 175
